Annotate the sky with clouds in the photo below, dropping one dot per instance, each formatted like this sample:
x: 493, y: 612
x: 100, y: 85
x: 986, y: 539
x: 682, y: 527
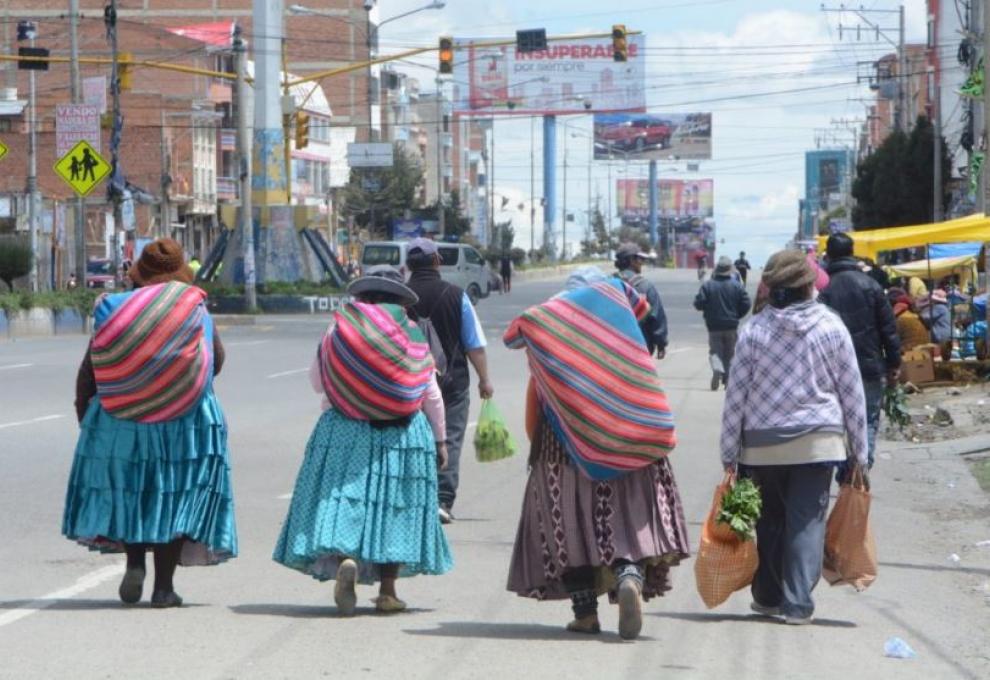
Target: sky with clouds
x: 772, y: 72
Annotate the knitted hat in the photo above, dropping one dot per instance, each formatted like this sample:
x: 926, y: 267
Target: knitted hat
x: 161, y: 261
x: 788, y: 269
x: 724, y: 265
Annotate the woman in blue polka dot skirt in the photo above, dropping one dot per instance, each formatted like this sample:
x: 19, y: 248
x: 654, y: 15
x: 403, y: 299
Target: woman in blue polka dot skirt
x: 364, y: 508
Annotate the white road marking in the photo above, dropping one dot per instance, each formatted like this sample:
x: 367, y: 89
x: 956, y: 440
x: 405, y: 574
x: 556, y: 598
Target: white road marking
x: 40, y: 419
x: 247, y: 343
x: 294, y: 371
x: 679, y: 350
x: 12, y: 366
x: 84, y: 583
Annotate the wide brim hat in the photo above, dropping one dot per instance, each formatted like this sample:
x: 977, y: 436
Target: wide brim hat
x: 161, y: 261
x: 628, y: 250
x: 384, y: 279
x: 788, y: 269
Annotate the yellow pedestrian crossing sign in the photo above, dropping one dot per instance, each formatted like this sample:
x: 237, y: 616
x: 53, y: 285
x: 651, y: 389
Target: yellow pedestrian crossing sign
x: 3, y: 150
x: 82, y: 168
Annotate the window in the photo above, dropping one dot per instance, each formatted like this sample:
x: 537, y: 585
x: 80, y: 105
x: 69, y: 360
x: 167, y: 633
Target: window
x: 449, y: 256
x: 472, y: 256
x: 380, y: 255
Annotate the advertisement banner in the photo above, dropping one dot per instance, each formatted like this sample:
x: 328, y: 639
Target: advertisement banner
x: 678, y: 198
x: 624, y: 136
x: 75, y: 123
x: 686, y: 209
x: 570, y: 76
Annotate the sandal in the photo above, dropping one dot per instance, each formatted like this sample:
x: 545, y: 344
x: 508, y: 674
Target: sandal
x: 343, y: 590
x: 388, y: 604
x: 588, y: 625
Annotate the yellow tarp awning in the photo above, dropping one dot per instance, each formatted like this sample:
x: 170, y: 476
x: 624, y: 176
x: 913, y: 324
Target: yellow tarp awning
x: 939, y: 267
x: 872, y: 242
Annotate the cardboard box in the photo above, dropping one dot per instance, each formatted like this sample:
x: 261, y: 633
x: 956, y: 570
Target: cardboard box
x: 917, y: 367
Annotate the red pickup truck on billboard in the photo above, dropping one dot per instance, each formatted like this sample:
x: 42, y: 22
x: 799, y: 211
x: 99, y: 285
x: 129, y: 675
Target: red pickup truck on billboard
x: 637, y: 134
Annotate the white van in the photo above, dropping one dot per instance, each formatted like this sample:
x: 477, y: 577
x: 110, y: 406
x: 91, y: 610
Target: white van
x: 460, y: 264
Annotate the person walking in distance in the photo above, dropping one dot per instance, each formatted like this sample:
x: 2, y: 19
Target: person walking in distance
x: 861, y: 304
x: 151, y: 471
x: 363, y: 508
x: 723, y: 301
x: 794, y: 409
x: 505, y: 270
x: 743, y: 267
x: 629, y: 265
x: 452, y: 315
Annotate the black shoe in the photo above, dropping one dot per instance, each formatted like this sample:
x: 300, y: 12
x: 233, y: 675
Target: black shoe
x: 131, y: 586
x: 716, y: 381
x: 164, y: 599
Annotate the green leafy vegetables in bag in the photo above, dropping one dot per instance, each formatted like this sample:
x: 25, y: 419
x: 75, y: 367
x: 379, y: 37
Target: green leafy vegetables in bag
x: 492, y: 439
x: 740, y: 509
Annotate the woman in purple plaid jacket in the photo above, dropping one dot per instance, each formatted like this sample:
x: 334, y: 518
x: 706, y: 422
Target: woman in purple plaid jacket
x: 794, y: 410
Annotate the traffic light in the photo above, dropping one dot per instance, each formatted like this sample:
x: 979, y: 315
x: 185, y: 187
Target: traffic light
x: 446, y: 55
x: 302, y: 130
x: 620, y: 47
x: 125, y: 70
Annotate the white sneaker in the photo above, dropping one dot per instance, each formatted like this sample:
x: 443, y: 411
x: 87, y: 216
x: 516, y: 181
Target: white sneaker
x: 343, y: 590
x: 763, y: 610
x: 798, y: 620
x: 446, y: 517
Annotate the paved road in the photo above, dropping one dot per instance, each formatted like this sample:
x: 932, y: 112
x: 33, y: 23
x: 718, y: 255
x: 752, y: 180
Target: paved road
x: 59, y: 616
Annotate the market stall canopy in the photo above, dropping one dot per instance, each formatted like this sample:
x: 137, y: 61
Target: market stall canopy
x: 938, y: 268
x: 874, y: 241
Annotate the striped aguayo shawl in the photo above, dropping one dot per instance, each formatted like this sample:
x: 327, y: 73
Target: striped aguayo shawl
x: 375, y: 364
x: 596, y: 380
x: 151, y: 357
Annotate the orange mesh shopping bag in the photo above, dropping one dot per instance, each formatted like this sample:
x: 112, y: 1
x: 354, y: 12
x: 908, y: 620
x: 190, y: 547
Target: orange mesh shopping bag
x: 725, y: 563
x: 850, y: 551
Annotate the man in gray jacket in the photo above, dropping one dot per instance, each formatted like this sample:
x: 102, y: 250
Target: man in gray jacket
x: 629, y: 261
x: 724, y: 302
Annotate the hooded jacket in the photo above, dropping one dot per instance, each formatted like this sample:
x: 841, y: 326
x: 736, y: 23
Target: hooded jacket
x: 794, y: 374
x: 864, y: 309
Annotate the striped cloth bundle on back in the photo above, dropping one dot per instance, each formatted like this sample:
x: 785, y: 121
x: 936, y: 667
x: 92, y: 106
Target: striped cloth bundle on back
x: 150, y: 357
x: 596, y: 380
x: 375, y: 363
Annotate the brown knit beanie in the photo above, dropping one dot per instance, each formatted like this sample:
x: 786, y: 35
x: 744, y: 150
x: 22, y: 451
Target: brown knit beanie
x: 788, y: 269
x: 161, y: 261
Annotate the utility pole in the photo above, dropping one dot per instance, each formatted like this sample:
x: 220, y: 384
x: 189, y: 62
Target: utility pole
x: 937, y: 146
x: 117, y: 183
x: 245, y: 218
x: 80, y: 211
x: 495, y: 236
x: 532, y: 186
x: 165, y: 209
x: 563, y: 207
x: 985, y: 172
x: 873, y: 29
x: 32, y: 179
x: 441, y: 216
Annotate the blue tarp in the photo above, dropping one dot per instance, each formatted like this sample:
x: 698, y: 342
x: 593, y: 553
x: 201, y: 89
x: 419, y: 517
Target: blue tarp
x: 937, y: 250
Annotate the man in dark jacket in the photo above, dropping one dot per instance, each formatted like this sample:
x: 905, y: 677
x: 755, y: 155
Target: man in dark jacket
x: 453, y: 318
x: 743, y: 267
x: 860, y: 301
x: 724, y: 302
x: 629, y: 263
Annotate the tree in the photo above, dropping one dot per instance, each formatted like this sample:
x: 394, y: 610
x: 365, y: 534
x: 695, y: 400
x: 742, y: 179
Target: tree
x: 600, y: 242
x: 15, y: 260
x: 376, y: 196
x: 502, y: 238
x: 895, y: 186
x: 455, y: 223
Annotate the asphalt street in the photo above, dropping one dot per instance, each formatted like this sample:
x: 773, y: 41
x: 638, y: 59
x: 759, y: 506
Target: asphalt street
x: 251, y: 618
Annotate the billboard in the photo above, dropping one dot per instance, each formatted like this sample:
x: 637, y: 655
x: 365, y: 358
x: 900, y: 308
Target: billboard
x: 570, y: 76
x: 651, y: 136
x: 677, y: 198
x: 685, y: 208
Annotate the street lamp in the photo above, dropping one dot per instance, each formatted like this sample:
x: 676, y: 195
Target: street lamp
x: 371, y: 41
